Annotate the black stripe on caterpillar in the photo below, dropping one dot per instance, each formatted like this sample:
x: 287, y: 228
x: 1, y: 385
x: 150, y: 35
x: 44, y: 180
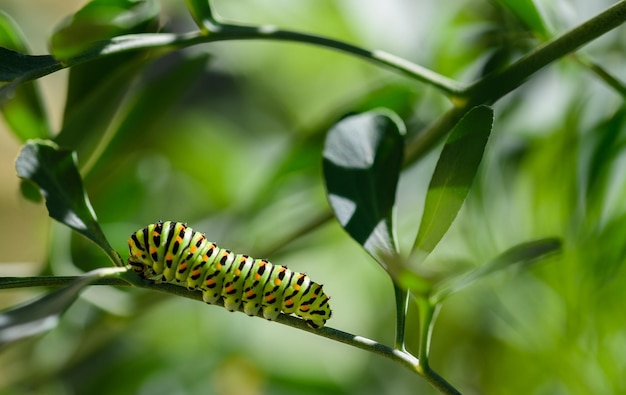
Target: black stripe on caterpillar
x: 174, y: 253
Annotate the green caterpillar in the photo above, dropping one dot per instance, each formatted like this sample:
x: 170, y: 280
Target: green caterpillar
x: 173, y: 252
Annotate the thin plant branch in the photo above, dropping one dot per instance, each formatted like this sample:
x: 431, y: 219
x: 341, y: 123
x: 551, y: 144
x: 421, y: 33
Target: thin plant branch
x: 129, y: 279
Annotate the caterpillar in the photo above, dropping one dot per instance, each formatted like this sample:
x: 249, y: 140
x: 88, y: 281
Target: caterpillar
x: 174, y: 253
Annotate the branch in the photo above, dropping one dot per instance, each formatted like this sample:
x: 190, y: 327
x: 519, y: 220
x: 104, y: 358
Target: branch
x: 130, y: 279
x: 493, y: 87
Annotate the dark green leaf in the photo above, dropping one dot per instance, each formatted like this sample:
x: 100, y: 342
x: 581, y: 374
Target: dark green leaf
x: 16, y: 65
x: 524, y: 253
x: 362, y: 160
x: 42, y: 314
x: 101, y: 20
x: 201, y: 12
x: 30, y: 191
x: 527, y: 12
x: 453, y: 176
x: 54, y: 171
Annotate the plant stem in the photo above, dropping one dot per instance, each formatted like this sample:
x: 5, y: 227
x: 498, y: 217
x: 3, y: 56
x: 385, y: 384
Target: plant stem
x: 54, y: 281
x: 494, y: 86
x: 239, y: 32
x: 402, y: 304
x: 228, y: 32
x: 127, y: 279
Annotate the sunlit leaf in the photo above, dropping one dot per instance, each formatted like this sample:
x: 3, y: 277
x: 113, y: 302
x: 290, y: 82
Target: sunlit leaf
x: 362, y: 161
x: 453, y: 176
x: 54, y: 170
x: 101, y: 20
x: 521, y: 254
x: 42, y: 314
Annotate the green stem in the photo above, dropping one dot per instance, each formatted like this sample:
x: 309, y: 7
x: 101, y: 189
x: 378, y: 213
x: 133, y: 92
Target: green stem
x: 493, y: 87
x: 227, y: 32
x: 402, y: 300
x: 427, y: 314
x: 118, y: 278
x: 504, y: 83
x: 54, y: 281
x: 239, y: 32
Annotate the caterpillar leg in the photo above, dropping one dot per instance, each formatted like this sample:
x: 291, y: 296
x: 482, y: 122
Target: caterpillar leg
x: 316, y: 324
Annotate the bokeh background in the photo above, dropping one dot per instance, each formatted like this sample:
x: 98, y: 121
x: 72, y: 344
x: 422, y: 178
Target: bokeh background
x: 228, y: 136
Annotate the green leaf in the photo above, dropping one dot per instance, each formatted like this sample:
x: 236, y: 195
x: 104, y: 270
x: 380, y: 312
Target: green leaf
x: 527, y: 12
x: 54, y: 170
x: 96, y: 91
x: 16, y: 66
x: 201, y: 12
x: 100, y: 20
x: 11, y: 35
x: 148, y: 105
x: 42, y: 314
x: 24, y: 113
x: 453, y: 176
x: 97, y: 88
x: 362, y: 160
x: 524, y: 253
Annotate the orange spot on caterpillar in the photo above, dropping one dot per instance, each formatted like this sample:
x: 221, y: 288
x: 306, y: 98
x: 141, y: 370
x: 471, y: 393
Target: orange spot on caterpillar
x: 304, y: 308
x: 269, y: 297
x: 250, y: 294
x: 277, y: 281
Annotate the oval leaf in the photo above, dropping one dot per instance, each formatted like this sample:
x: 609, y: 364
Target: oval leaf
x: 42, y: 314
x: 362, y: 160
x: 453, y: 176
x: 54, y: 171
x: 524, y: 253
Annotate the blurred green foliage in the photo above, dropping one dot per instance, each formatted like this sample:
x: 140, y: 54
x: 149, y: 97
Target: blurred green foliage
x: 228, y: 137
